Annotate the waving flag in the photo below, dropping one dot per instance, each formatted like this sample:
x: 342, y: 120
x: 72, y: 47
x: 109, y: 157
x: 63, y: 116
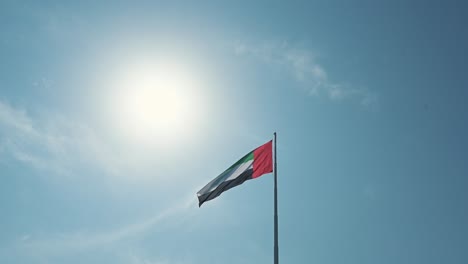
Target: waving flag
x: 251, y: 166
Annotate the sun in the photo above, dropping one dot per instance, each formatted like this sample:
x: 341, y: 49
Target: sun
x: 154, y: 108
x: 155, y: 102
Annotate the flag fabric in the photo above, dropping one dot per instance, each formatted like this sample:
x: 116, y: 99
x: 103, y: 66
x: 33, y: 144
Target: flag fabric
x: 251, y: 166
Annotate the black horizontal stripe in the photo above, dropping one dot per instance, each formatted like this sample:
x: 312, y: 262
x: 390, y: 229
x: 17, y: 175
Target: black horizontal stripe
x: 246, y: 175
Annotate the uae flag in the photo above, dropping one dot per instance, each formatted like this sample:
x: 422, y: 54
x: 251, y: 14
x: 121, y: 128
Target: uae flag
x: 253, y: 165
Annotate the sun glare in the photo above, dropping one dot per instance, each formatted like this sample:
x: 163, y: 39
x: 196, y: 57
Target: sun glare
x: 156, y: 102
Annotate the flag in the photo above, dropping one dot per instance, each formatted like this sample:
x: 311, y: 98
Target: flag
x: 253, y: 165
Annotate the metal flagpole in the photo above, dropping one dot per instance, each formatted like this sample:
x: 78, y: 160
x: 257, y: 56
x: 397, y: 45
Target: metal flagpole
x: 276, y: 261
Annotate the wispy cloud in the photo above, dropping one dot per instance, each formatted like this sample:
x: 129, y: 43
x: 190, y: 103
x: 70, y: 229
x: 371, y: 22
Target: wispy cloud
x: 302, y: 65
x: 52, y: 143
x: 52, y: 245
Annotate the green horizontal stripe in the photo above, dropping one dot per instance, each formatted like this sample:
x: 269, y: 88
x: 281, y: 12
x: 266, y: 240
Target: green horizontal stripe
x: 244, y: 159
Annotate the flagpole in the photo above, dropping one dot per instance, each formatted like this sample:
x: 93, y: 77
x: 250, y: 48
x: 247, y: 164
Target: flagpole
x: 276, y: 261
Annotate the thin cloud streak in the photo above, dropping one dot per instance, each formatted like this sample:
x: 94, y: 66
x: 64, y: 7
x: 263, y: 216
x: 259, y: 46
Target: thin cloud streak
x: 303, y: 67
x: 52, y: 245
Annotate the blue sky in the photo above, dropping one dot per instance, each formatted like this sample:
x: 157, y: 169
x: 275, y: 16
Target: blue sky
x: 113, y: 115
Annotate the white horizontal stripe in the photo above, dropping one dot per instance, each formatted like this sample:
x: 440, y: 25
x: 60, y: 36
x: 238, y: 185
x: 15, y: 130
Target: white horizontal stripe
x: 234, y: 173
x: 243, y: 167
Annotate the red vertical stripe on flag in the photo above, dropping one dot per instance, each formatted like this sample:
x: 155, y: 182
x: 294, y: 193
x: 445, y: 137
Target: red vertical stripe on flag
x: 263, y: 160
